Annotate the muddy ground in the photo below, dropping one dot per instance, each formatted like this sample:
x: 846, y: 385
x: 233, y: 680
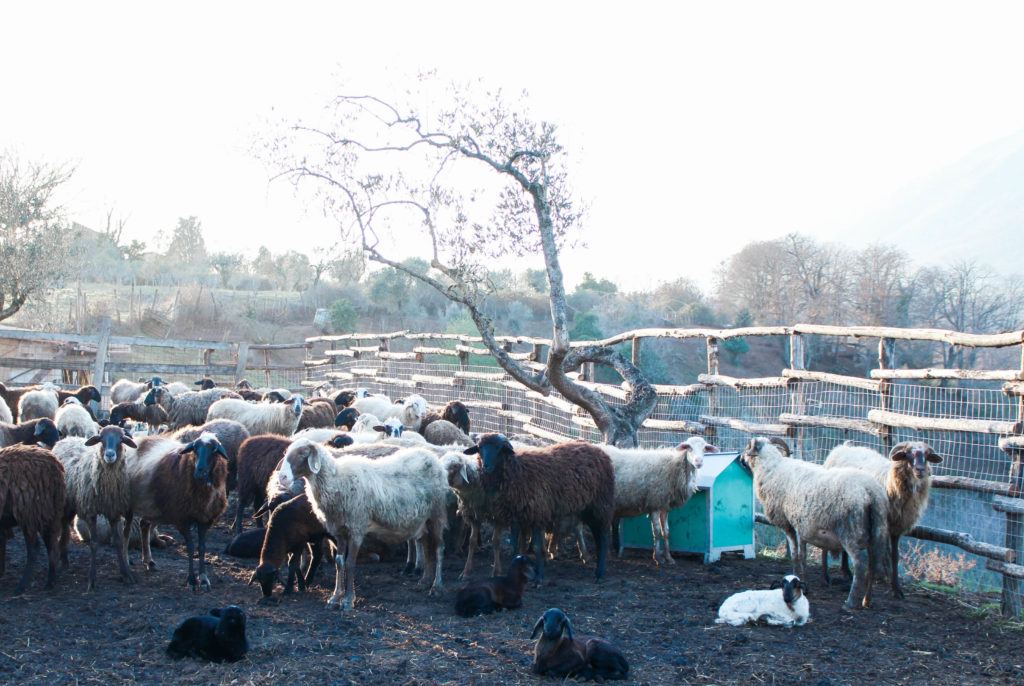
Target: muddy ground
x: 661, y: 619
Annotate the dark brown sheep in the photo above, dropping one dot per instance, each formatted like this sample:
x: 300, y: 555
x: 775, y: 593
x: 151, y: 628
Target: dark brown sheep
x: 12, y: 396
x: 32, y: 432
x: 498, y: 592
x: 455, y: 412
x: 257, y: 458
x: 318, y: 413
x: 535, y: 487
x: 293, y: 529
x: 180, y: 485
x: 560, y: 654
x: 231, y: 435
x: 152, y: 415
x: 85, y: 395
x: 32, y: 494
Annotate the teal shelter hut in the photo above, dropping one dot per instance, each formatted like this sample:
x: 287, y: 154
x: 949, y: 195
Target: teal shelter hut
x: 718, y: 518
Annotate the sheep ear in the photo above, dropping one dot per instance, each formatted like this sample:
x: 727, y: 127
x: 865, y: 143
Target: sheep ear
x: 220, y: 449
x: 775, y: 584
x: 93, y: 440
x: 216, y: 612
x: 380, y: 427
x: 802, y: 586
x: 933, y: 456
x: 463, y: 474
x: 567, y: 628
x: 537, y: 627
x: 189, y: 448
x: 314, y: 462
x: 710, y: 448
x: 684, y: 447
x: 126, y: 440
x: 471, y: 450
x: 899, y: 451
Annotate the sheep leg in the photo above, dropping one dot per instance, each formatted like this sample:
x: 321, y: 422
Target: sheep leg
x: 616, y: 541
x: 434, y: 549
x: 894, y: 554
x: 421, y: 565
x: 190, y: 546
x: 294, y: 562
x: 3, y: 550
x: 65, y: 538
x: 862, y: 580
x: 599, y: 530
x: 581, y: 543
x: 121, y: 542
x: 499, y: 532
x: 236, y: 526
x: 655, y: 536
x: 145, y: 528
x: 824, y: 567
x: 410, y: 558
x: 538, y: 550
x: 350, y: 573
x: 316, y: 554
x: 339, y: 579
x: 801, y: 554
x: 52, y: 541
x: 90, y: 522
x: 846, y: 566
x: 791, y: 542
x: 474, y: 527
x: 663, y: 515
x: 31, y: 553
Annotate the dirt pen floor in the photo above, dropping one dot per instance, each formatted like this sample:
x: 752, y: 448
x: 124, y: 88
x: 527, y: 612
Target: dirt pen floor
x: 662, y: 621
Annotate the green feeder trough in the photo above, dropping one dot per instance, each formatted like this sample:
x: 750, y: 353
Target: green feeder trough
x: 718, y: 518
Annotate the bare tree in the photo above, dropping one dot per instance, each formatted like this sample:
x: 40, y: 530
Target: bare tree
x: 379, y: 164
x: 34, y: 237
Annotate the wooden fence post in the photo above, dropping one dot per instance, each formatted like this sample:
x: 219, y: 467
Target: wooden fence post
x: 243, y: 359
x: 266, y: 368
x: 1011, y: 601
x: 101, y: 354
x: 797, y: 405
x: 886, y: 355
x: 634, y: 353
x: 713, y: 410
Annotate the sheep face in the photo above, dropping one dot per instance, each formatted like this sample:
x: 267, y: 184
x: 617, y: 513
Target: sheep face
x: 205, y: 384
x: 917, y: 455
x: 694, y: 448
x: 458, y: 414
x: 392, y: 428
x: 554, y: 624
x: 296, y: 403
x: 493, y: 449
x: 89, y: 394
x: 244, y: 385
x: 155, y: 395
x: 267, y: 576
x: 458, y: 472
x: 45, y: 434
x: 340, y: 441
x: 523, y: 566
x: 301, y: 459
x: 344, y: 398
x: 111, y: 440
x: 72, y: 401
x: 347, y: 417
x: 206, y: 448
x: 232, y: 622
x: 792, y: 588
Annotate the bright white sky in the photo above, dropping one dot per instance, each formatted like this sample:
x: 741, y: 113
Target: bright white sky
x: 695, y: 128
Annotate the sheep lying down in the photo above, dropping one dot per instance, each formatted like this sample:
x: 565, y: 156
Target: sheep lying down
x: 785, y: 604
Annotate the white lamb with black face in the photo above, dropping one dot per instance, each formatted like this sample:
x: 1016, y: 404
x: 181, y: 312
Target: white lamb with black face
x: 785, y: 604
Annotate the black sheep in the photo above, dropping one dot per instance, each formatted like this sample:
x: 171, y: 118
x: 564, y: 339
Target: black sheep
x: 560, y: 654
x: 246, y: 544
x: 498, y: 592
x: 218, y: 636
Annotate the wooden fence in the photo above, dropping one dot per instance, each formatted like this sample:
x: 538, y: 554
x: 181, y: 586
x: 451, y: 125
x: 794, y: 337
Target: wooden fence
x: 361, y: 358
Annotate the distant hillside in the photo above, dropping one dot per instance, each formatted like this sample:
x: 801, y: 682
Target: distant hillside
x: 973, y: 208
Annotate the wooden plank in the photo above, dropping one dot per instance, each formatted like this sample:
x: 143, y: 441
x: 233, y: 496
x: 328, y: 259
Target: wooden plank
x: 688, y: 333
x: 825, y: 422
x: 71, y: 363
x: 483, y: 352
x: 557, y: 403
x: 344, y: 376
x: 906, y: 421
x: 674, y: 425
x: 415, y: 357
x: 26, y: 335
x: 736, y: 382
x: 520, y: 417
x: 424, y: 350
x: 964, y: 541
x: 680, y: 391
x: 480, y: 376
x: 316, y: 362
x: 584, y: 421
x: 965, y: 483
x: 364, y: 371
x: 483, y: 404
x: 544, y: 433
x: 1011, y: 443
x: 977, y: 374
x: 172, y: 343
x: 837, y: 379
x: 435, y: 380
x: 745, y: 426
x: 357, y: 337
x: 401, y: 383
x: 1001, y: 503
x: 340, y: 352
x: 280, y: 346
x: 134, y: 368
x: 243, y: 359
x: 971, y: 340
x: 257, y: 367
x: 1006, y: 569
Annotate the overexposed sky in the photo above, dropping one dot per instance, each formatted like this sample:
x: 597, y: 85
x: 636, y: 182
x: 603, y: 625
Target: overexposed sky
x: 694, y: 127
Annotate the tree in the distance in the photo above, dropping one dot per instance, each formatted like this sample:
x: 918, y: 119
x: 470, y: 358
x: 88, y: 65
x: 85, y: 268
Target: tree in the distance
x: 35, y: 241
x: 484, y: 183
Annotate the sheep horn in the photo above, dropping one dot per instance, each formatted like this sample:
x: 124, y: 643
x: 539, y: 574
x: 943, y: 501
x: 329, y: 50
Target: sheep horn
x: 775, y: 440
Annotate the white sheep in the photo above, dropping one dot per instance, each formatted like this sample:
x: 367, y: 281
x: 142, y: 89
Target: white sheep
x: 97, y: 484
x: 411, y: 410
x: 833, y: 509
x: 399, y: 497
x: 5, y: 412
x: 906, y: 477
x: 177, y: 388
x: 654, y: 481
x: 38, y: 404
x: 785, y: 604
x: 128, y: 391
x: 318, y: 435
x: 260, y: 418
x: 443, y: 432
x: 73, y: 419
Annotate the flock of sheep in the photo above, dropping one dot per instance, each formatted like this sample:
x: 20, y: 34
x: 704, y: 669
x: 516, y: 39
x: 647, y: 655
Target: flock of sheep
x: 329, y: 472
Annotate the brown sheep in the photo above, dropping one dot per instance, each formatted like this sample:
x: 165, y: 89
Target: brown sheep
x: 455, y: 412
x: 32, y: 494
x: 538, y: 486
x: 257, y: 458
x: 231, y: 435
x: 293, y: 528
x: 317, y: 414
x: 560, y: 654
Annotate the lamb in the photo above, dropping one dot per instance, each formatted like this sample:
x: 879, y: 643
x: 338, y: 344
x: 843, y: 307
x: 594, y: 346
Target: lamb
x: 264, y: 418
x: 655, y: 481
x: 5, y: 412
x: 85, y: 395
x: 906, y: 477
x: 443, y: 432
x: 784, y: 604
x: 32, y: 494
x: 246, y: 544
x: 464, y: 478
x: 400, y: 497
x: 320, y: 435
x: 153, y: 416
x: 293, y: 529
x: 36, y: 431
x: 834, y: 509
x: 74, y: 420
x: 97, y: 484
x: 205, y: 383
x: 231, y: 435
x: 411, y: 410
x: 127, y: 391
x: 454, y: 412
x: 316, y: 414
x: 346, y: 397
x: 534, y: 487
x: 218, y: 636
x: 181, y: 485
x: 346, y: 419
x: 560, y: 654
x: 190, y: 407
x: 497, y: 593
x: 38, y: 404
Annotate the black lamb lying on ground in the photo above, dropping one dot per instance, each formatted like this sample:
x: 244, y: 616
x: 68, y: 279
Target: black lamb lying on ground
x: 218, y: 636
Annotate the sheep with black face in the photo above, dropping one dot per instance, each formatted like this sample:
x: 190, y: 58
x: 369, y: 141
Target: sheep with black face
x: 783, y: 604
x: 560, y: 653
x: 218, y: 636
